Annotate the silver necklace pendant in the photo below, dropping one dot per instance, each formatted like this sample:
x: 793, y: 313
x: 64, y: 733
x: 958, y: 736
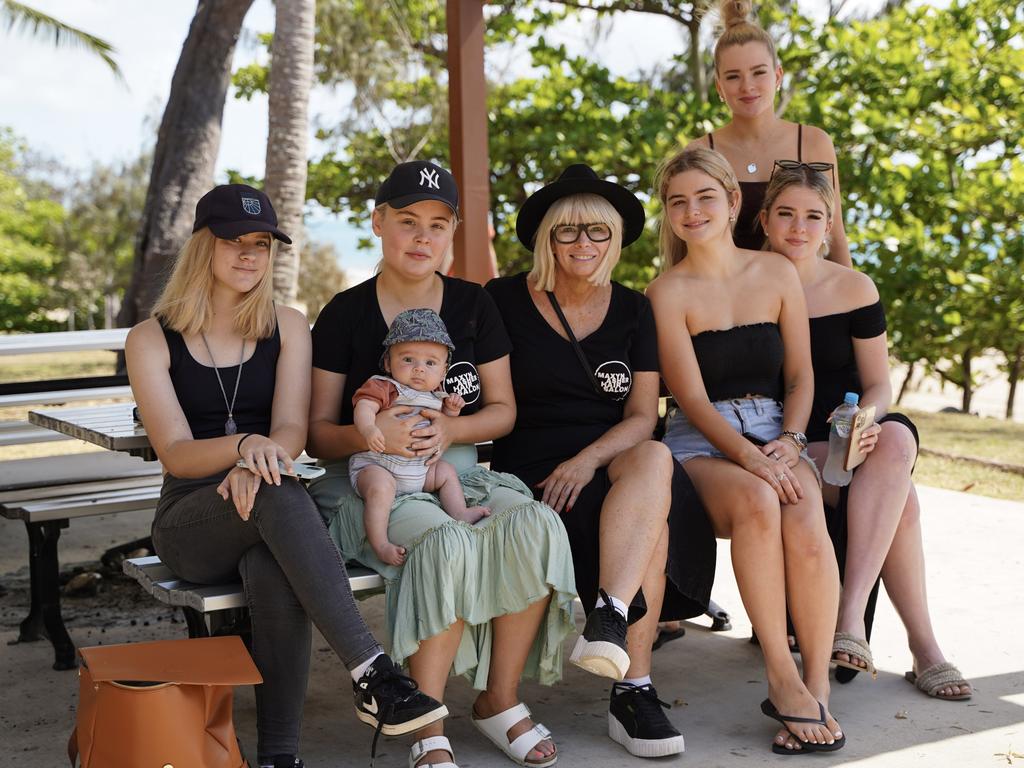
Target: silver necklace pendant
x: 230, y: 428
x: 751, y: 167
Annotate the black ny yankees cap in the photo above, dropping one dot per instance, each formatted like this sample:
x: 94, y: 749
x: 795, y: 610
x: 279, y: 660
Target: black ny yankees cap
x: 415, y: 181
x: 232, y: 210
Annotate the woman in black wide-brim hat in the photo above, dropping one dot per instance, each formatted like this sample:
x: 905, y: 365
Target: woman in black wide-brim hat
x: 585, y: 373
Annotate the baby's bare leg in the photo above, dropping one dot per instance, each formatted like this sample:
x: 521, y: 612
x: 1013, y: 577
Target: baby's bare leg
x: 442, y: 478
x: 377, y: 487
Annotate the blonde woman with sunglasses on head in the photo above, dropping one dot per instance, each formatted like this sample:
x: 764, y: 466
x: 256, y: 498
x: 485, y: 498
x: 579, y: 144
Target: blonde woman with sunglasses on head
x: 747, y: 76
x: 876, y: 519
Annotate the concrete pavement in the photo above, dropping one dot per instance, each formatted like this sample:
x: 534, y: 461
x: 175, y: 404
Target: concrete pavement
x: 974, y: 550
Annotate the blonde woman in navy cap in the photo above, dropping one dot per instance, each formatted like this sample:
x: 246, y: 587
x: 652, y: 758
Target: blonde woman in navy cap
x: 221, y: 376
x: 492, y: 600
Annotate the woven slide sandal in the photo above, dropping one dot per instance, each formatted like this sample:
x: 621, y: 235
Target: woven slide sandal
x: 937, y: 677
x: 844, y: 642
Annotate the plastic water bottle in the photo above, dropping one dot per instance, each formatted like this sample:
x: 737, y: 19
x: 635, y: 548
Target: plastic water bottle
x: 839, y: 441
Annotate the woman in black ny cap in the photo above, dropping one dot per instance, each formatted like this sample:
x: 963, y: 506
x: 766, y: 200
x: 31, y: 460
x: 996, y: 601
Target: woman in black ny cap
x: 493, y: 600
x: 585, y: 370
x: 221, y: 376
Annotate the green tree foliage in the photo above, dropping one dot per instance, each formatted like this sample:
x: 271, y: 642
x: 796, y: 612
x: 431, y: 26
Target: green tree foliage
x: 924, y: 107
x: 97, y: 240
x: 27, y: 257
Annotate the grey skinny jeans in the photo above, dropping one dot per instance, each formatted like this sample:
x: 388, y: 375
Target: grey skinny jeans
x: 292, y: 572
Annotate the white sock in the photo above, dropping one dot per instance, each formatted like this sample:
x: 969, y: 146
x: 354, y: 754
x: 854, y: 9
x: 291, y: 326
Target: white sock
x: 639, y: 682
x: 361, y: 669
x: 617, y: 604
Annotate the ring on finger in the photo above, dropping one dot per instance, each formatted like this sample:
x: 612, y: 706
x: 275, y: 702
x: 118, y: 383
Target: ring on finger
x: 781, y: 476
x: 775, y: 455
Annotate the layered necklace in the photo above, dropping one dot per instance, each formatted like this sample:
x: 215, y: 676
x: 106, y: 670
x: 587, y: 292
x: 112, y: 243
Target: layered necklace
x: 230, y: 428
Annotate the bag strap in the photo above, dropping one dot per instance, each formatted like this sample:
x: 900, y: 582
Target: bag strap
x: 575, y: 344
x: 73, y: 747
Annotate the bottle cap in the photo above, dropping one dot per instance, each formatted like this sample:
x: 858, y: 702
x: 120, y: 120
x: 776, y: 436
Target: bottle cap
x: 851, y: 398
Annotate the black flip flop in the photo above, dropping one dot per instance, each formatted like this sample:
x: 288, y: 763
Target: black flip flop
x: 667, y: 636
x: 769, y: 710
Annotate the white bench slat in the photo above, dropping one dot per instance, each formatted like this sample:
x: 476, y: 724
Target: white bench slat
x: 77, y: 489
x: 65, y: 396
x: 158, y: 580
x: 127, y: 500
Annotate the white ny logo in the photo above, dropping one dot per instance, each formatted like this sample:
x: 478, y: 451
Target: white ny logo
x: 429, y: 178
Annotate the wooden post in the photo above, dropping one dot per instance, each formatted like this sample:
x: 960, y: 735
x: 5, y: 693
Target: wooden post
x: 467, y: 113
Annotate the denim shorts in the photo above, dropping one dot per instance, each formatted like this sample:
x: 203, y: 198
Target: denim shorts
x: 757, y: 416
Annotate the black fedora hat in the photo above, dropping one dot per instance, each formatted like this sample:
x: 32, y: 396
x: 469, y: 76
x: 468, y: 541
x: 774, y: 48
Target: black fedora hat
x: 580, y: 179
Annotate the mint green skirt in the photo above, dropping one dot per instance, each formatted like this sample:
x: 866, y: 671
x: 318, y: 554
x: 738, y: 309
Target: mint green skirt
x: 508, y: 560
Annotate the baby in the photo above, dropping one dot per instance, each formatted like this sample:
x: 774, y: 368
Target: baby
x: 417, y: 351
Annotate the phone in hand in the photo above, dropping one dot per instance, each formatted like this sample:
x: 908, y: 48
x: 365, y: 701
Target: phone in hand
x: 854, y: 455
x: 301, y: 471
x: 755, y: 439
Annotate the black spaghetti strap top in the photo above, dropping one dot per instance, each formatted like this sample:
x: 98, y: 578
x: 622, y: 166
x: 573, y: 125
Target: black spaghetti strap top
x: 747, y: 232
x: 200, y: 397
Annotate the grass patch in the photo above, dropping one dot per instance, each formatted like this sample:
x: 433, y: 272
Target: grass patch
x: 66, y: 365
x: 965, y: 435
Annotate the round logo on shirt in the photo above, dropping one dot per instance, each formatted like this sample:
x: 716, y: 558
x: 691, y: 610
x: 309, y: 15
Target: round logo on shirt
x: 462, y: 379
x: 615, y: 378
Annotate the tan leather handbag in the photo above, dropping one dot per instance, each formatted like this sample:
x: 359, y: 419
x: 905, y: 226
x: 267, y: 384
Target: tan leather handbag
x: 165, y: 704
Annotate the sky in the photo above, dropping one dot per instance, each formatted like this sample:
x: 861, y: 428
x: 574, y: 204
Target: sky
x: 67, y: 105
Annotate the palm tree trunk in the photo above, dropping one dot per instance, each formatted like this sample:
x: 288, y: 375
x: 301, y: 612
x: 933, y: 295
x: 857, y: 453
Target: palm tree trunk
x: 186, y: 149
x: 291, y: 78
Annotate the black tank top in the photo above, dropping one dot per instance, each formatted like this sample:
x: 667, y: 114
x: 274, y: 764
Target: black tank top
x: 200, y: 397
x: 748, y: 232
x: 739, y: 361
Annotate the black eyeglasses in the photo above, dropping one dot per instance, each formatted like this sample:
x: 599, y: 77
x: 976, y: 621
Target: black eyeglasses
x: 567, y: 234
x: 795, y: 165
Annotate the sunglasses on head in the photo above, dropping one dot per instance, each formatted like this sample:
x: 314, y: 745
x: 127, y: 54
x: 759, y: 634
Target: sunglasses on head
x: 795, y: 165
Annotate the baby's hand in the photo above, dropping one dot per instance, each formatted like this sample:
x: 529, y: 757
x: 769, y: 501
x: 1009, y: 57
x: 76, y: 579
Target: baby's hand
x: 375, y: 440
x: 453, y: 405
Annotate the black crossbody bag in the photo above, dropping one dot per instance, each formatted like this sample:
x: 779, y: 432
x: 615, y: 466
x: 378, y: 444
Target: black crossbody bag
x: 576, y: 345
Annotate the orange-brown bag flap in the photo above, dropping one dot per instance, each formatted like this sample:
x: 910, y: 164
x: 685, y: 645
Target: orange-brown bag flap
x: 196, y: 661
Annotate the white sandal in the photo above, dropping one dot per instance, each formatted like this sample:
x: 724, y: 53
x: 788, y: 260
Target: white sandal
x: 496, y: 729
x: 429, y: 744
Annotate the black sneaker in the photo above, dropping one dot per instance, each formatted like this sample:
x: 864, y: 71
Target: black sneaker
x: 601, y: 648
x: 391, y: 702
x: 637, y: 721
x: 287, y: 761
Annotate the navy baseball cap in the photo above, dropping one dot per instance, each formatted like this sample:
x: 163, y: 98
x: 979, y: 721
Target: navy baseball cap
x: 232, y: 210
x: 416, y: 181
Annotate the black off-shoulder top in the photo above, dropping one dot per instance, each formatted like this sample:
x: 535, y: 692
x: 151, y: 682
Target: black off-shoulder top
x: 740, y: 361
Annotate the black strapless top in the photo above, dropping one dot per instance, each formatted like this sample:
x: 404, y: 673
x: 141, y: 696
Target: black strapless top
x: 740, y: 361
x: 832, y: 357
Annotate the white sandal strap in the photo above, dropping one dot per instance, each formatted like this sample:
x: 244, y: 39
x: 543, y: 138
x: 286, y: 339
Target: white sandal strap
x: 525, y: 742
x: 429, y: 744
x: 502, y: 721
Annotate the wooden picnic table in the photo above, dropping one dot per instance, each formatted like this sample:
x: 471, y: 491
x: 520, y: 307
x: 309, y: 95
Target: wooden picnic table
x: 108, y: 426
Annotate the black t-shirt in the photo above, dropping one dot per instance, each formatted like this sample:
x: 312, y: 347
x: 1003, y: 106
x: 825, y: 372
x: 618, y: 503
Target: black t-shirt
x: 558, y: 411
x: 833, y: 360
x: 349, y: 334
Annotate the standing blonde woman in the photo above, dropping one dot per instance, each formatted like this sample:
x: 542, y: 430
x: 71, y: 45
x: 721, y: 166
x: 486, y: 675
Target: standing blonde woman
x: 221, y: 374
x: 748, y: 75
x: 876, y: 519
x: 492, y: 600
x: 732, y: 337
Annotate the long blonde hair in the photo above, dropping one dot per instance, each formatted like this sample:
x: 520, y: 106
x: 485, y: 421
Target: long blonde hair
x: 816, y: 181
x: 185, y: 304
x: 672, y: 248
x: 575, y: 209
x: 740, y: 26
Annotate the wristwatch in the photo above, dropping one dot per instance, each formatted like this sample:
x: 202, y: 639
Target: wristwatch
x: 799, y: 438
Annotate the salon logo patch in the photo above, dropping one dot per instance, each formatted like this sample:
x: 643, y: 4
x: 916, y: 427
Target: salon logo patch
x: 251, y: 205
x: 462, y: 379
x: 615, y: 378
x: 430, y: 179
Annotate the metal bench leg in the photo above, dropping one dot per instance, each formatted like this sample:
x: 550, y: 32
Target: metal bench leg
x: 44, y: 618
x: 196, y: 623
